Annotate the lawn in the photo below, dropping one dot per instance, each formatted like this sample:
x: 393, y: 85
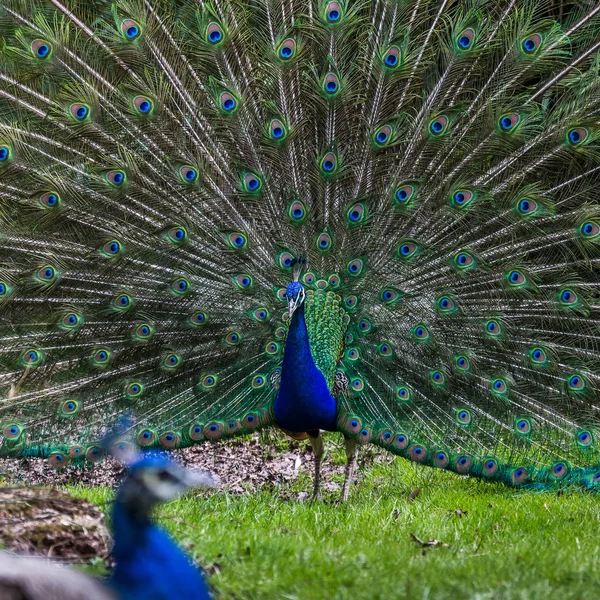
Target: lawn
x: 477, y: 540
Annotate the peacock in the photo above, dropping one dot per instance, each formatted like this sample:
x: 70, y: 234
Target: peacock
x: 148, y: 563
x: 372, y: 217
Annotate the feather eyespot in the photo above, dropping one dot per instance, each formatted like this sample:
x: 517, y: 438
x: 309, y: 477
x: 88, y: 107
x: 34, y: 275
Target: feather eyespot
x: 252, y: 183
x: 559, y: 470
x: 143, y: 332
x: 356, y: 214
x: 123, y: 302
x: 323, y: 242
x: 404, y: 194
x: 209, y: 381
x: 58, y: 460
x: 12, y: 431
x: 403, y: 394
x: 531, y: 44
x: 134, y: 389
x: 143, y: 105
x: 576, y: 382
x: 352, y: 354
x: 390, y: 296
x: 198, y: 317
x: 79, y: 111
x: 383, y: 136
x: 408, y: 250
x: 261, y: 314
x: 590, y: 230
x: 355, y: 267
x: 490, y: 466
x: 357, y: 384
x: 385, y: 349
x: 464, y: 260
x: 41, y: 49
x: 258, y: 381
x: 309, y: 278
x: 237, y: 240
x: 228, y: 103
x: 171, y: 361
x: 287, y: 49
x: 577, y: 136
x: 585, y: 438
x: 441, y: 459
x: 116, y: 178
x: 523, y: 426
x: 69, y: 407
x: 233, y: 338
x: 328, y: 164
x: 527, y: 206
x: 111, y: 249
x: 392, y: 58
x: 146, y: 437
x: 420, y: 333
x: 94, y: 454
x: 101, y: 357
x: 32, y: 358
x: 272, y: 348
x: 333, y: 281
x: 47, y: 274
x: 400, y: 441
x: 493, y: 328
x: 386, y: 437
x: 297, y: 211
x: 170, y: 439
x: 508, y: 122
x: 463, y: 464
x: 567, y: 297
x: 498, y: 386
x: 5, y: 153
x: 515, y: 278
x: 214, y: 34
x: 70, y: 322
x: 417, y: 453
x: 519, y: 475
x: 462, y: 363
x: 5, y: 290
x: 277, y: 130
x: 465, y: 39
x: 188, y: 174
x: 195, y: 432
x: 285, y: 260
x: 177, y: 235
x: 463, y: 416
x: 243, y: 281
x: 130, y: 30
x: 462, y: 198
x: 365, y: 326
x: 350, y: 302
x: 439, y: 125
x: 538, y: 356
x: 437, y: 378
x: 333, y: 13
x: 445, y: 305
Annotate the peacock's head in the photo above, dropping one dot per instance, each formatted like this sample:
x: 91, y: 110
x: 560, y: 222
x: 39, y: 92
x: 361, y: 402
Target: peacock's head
x: 295, y: 290
x: 154, y: 479
x: 295, y: 296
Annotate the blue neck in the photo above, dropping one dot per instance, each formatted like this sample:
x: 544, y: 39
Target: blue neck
x: 304, y: 402
x: 149, y: 563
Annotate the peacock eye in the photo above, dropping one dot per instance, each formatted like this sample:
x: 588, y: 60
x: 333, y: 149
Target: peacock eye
x: 577, y: 136
x: 214, y: 33
x: 130, y: 29
x: 383, y: 135
x: 439, y: 125
x: 408, y: 250
x: 50, y: 200
x: 465, y: 39
x: 188, y: 174
x: 333, y: 12
x: 115, y: 178
x: 462, y: 198
x: 355, y: 267
x: 531, y: 44
x: 508, y: 122
x: 227, y: 102
x: 252, y: 183
x: 287, y: 49
x: 41, y: 49
x: 297, y: 211
x: 392, y: 57
x: 4, y: 153
x: 79, y: 111
x: 143, y: 105
x: 590, y: 230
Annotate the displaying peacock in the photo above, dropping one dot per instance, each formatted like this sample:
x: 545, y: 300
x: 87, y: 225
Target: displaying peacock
x: 373, y: 217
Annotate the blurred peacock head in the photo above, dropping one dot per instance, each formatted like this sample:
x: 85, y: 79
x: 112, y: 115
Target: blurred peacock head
x: 154, y: 479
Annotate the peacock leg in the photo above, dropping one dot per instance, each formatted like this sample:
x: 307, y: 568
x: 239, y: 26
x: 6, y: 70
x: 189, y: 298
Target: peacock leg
x: 351, y: 456
x: 316, y: 441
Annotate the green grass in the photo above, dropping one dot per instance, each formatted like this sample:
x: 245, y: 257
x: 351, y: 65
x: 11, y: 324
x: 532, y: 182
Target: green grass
x: 501, y: 544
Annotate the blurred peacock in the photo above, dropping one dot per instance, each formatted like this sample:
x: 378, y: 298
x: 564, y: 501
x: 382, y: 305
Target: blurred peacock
x: 373, y: 217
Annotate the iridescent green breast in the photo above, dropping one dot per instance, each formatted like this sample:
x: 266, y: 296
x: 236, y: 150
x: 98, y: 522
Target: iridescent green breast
x: 326, y: 324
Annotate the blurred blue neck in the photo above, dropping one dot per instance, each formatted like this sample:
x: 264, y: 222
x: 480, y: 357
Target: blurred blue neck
x: 149, y: 563
x: 304, y: 402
